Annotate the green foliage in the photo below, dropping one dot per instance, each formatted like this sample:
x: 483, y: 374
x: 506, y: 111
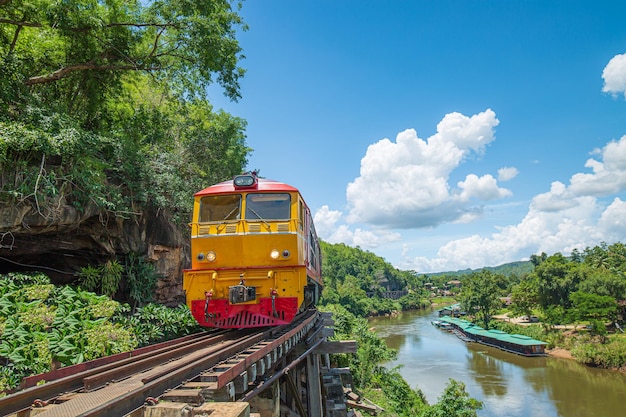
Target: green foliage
x: 139, y: 275
x: 104, y: 279
x: 46, y: 157
x: 520, y: 269
x: 44, y: 323
x: 41, y: 324
x: 605, y: 282
x: 611, y: 355
x: 357, y: 279
x: 413, y: 301
x: 481, y: 294
x: 372, y: 273
x: 556, y: 278
x: 155, y: 323
x: 399, y: 396
x: 106, y: 339
x: 141, y: 278
x: 454, y: 402
x: 584, y: 286
x: 104, y: 104
x: 90, y: 43
x: 587, y: 306
x: 371, y: 350
x: 524, y: 298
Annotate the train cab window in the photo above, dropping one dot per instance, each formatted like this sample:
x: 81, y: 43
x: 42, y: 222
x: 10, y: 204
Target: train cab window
x: 268, y: 206
x: 217, y: 208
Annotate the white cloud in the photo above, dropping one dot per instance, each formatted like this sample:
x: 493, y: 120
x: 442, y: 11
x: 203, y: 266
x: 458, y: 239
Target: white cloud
x: 328, y: 227
x: 560, y: 220
x: 609, y: 174
x: 612, y: 223
x: 325, y: 221
x: 614, y: 75
x: 557, y: 199
x: 404, y: 184
x: 539, y: 231
x: 507, y: 173
x: 483, y: 188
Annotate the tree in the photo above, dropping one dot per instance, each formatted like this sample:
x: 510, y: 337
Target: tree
x: 602, y: 282
x: 587, y: 306
x: 454, y: 402
x: 188, y: 43
x: 524, y: 297
x: 556, y: 279
x: 103, y: 103
x: 480, y: 294
x: 536, y: 260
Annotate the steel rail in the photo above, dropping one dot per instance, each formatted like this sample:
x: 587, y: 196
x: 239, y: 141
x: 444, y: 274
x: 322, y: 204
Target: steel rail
x: 151, y: 360
x: 23, y: 399
x: 32, y: 380
x: 135, y: 399
x: 155, y: 387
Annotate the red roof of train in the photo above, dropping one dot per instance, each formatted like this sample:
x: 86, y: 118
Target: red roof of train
x: 262, y: 185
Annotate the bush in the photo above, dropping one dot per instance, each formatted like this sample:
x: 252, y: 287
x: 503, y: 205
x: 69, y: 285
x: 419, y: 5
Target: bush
x: 611, y: 355
x: 41, y: 324
x: 400, y: 397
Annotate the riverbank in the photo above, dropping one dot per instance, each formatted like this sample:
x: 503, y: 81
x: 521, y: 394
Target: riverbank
x: 560, y: 353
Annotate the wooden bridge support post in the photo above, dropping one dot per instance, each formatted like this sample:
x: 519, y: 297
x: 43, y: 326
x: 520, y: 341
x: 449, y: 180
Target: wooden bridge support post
x: 241, y: 383
x: 314, y: 389
x: 267, y: 403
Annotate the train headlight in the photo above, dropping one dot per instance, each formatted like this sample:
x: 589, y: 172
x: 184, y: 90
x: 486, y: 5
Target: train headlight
x: 210, y: 256
x: 200, y: 256
x: 274, y: 254
x: 286, y: 253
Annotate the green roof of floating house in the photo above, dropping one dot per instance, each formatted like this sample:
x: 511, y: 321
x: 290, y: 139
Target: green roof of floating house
x: 473, y: 329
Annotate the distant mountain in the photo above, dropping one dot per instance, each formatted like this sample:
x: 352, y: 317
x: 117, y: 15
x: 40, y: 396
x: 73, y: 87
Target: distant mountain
x: 518, y: 268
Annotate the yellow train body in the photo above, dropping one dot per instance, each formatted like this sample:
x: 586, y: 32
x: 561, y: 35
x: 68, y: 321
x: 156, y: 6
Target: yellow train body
x: 255, y: 255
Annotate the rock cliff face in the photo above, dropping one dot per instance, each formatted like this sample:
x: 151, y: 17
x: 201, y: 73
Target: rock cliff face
x: 61, y: 241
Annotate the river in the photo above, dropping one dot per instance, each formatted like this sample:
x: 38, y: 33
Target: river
x: 509, y: 385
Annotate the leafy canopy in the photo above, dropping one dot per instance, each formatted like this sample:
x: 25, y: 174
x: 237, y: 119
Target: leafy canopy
x: 103, y: 103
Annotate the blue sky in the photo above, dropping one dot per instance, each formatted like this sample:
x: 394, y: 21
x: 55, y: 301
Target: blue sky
x: 442, y: 135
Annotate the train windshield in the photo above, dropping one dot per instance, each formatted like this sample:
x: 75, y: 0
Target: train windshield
x: 266, y: 206
x: 217, y: 208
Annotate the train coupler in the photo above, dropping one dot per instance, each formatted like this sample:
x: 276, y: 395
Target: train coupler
x: 207, y: 296
x: 274, y: 293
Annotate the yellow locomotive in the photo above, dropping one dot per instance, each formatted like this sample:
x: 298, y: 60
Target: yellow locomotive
x: 255, y: 256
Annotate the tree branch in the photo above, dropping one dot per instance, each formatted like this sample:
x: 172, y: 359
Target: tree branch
x: 65, y: 71
x: 20, y: 23
x: 86, y: 29
x: 15, y: 36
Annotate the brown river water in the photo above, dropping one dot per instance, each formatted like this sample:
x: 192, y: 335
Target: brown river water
x: 509, y: 385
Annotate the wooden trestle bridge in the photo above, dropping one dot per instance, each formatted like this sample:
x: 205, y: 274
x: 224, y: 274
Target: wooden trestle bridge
x: 222, y: 373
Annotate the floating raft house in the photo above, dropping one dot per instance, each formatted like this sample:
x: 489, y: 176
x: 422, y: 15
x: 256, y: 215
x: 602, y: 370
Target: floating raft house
x: 515, y: 343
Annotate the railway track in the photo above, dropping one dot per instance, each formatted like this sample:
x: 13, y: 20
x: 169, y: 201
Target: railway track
x: 187, y: 369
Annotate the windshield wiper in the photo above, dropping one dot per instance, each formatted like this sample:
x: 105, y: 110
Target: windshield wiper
x: 231, y: 212
x: 260, y: 218
x: 226, y: 218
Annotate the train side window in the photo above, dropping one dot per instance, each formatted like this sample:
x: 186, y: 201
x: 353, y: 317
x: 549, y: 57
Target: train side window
x: 216, y: 208
x: 301, y: 213
x: 268, y: 206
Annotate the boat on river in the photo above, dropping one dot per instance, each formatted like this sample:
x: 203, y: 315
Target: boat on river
x: 442, y: 324
x: 515, y: 343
